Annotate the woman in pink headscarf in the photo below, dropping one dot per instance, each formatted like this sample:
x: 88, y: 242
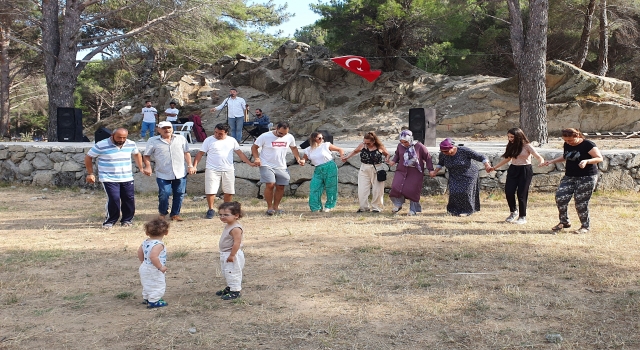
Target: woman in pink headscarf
x: 412, y: 159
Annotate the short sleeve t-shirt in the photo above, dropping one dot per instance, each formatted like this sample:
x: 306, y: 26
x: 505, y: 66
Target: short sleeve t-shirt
x: 149, y: 114
x: 114, y: 163
x: 172, y: 111
x: 220, y: 152
x: 319, y: 155
x: 574, y: 154
x: 274, y: 149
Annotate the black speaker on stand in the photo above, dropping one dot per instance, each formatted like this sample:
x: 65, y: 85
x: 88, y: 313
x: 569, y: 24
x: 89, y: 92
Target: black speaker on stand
x: 422, y: 123
x: 69, y: 124
x: 101, y: 134
x: 325, y: 135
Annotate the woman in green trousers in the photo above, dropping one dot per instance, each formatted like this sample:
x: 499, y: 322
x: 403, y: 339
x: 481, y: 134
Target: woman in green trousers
x: 325, y: 176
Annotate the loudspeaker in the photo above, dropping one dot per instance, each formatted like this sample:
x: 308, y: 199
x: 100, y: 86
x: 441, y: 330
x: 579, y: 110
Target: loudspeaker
x: 101, y: 134
x: 422, y: 123
x: 69, y: 124
x: 325, y: 134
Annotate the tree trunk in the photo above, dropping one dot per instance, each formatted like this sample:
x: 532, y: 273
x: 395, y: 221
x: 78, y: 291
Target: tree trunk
x: 583, y: 48
x: 603, y: 50
x: 5, y: 81
x: 60, y: 52
x: 529, y: 51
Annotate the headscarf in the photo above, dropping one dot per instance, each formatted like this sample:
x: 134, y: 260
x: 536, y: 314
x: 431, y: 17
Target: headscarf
x: 410, y: 155
x: 446, y: 144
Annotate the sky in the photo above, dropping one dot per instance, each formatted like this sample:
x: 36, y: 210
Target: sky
x: 303, y: 15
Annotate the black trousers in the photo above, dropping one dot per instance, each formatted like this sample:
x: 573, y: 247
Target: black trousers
x: 259, y: 130
x: 518, y: 181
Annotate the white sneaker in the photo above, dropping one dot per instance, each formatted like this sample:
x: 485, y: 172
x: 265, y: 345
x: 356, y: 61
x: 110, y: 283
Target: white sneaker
x: 396, y: 209
x: 512, y: 217
x: 141, y: 140
x: 521, y: 220
x: 326, y: 210
x: 411, y: 213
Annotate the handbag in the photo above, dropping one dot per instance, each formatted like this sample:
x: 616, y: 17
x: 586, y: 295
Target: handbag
x: 381, y: 175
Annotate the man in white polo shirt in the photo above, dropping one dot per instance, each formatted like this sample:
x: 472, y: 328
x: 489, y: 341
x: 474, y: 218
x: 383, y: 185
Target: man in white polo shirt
x: 116, y: 175
x: 170, y: 153
x: 149, y: 120
x: 235, y: 112
x: 219, y: 149
x: 273, y: 163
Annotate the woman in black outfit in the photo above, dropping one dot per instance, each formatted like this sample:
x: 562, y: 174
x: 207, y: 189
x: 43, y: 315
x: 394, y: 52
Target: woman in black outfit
x: 580, y: 178
x: 372, y: 155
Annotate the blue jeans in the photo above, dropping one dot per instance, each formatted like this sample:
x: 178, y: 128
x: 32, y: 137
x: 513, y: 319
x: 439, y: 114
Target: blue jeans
x: 176, y: 187
x: 150, y: 126
x: 236, y: 125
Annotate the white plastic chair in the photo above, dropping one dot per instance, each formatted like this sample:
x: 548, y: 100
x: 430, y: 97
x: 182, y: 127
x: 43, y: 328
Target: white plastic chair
x: 185, y: 131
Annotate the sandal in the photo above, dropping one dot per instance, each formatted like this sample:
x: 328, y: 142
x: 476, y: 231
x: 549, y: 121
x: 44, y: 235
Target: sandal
x: 559, y: 227
x: 271, y: 212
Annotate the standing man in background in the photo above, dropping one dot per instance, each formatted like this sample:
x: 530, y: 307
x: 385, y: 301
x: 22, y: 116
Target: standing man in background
x: 116, y: 174
x: 235, y: 113
x: 172, y: 113
x: 149, y: 120
x: 173, y: 162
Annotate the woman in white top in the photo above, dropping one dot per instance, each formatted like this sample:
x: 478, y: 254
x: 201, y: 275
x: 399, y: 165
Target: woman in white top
x: 325, y: 176
x: 519, y: 174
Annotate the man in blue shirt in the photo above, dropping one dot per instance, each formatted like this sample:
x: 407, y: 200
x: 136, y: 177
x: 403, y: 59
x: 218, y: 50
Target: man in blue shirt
x: 262, y: 125
x: 116, y: 175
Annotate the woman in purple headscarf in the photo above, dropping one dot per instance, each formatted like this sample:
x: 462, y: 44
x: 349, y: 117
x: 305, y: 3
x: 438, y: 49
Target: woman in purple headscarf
x: 413, y: 159
x: 464, y: 192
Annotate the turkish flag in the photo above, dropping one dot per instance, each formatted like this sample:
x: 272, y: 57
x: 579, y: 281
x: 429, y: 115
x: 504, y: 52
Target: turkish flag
x: 358, y: 65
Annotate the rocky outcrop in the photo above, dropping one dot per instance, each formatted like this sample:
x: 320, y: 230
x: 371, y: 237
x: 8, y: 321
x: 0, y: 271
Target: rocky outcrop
x: 298, y: 83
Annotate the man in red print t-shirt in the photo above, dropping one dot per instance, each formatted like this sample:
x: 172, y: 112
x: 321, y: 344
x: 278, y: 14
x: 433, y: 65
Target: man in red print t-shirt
x: 273, y: 164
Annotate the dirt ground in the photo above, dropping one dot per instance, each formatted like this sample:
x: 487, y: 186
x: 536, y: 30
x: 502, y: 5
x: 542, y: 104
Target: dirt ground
x: 336, y: 280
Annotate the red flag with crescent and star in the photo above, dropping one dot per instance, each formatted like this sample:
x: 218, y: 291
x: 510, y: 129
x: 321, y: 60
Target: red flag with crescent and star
x: 358, y: 65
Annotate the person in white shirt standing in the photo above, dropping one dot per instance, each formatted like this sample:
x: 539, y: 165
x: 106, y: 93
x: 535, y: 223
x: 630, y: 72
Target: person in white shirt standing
x: 219, y: 150
x: 172, y: 113
x: 149, y: 120
x: 235, y: 112
x: 273, y: 164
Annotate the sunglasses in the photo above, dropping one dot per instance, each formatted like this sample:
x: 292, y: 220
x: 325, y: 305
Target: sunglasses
x: 319, y: 138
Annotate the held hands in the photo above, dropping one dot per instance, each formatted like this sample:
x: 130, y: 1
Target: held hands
x: 545, y: 163
x: 192, y: 170
x: 256, y: 162
x: 391, y: 163
x: 146, y: 171
x: 487, y: 167
x: 433, y: 173
x: 301, y: 161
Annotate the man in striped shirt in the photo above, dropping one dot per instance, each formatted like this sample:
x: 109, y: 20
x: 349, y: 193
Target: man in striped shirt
x: 116, y: 175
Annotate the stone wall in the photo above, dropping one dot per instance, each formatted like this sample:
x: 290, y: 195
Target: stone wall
x: 62, y: 165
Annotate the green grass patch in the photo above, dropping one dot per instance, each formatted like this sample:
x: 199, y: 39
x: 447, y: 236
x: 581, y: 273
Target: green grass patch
x: 179, y: 254
x: 125, y: 295
x: 37, y: 256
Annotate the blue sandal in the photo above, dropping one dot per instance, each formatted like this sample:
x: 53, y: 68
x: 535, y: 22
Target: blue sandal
x: 156, y: 304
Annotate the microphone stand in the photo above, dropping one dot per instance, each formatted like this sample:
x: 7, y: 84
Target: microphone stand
x: 226, y: 103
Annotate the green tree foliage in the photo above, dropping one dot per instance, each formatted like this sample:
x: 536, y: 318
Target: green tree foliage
x: 311, y: 34
x: 101, y: 86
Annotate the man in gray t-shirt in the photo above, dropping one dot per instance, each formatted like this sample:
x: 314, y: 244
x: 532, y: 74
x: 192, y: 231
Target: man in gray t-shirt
x: 171, y: 153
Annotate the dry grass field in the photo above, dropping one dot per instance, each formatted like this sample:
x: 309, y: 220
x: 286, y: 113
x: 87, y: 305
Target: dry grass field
x: 336, y: 280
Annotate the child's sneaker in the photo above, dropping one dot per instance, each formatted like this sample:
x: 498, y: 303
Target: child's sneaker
x: 223, y: 292
x: 231, y: 295
x: 159, y: 303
